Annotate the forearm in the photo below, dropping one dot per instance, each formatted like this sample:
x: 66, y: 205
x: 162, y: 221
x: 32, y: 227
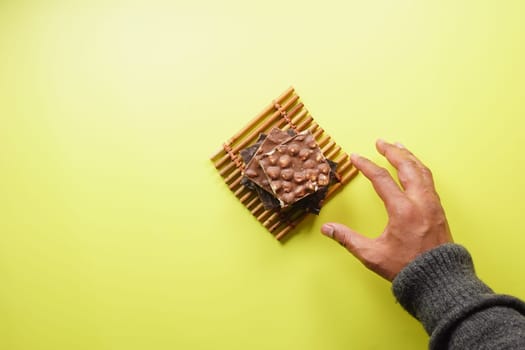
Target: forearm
x: 495, y: 327
x: 459, y: 311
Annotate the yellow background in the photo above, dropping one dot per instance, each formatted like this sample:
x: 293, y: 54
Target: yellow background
x: 116, y: 232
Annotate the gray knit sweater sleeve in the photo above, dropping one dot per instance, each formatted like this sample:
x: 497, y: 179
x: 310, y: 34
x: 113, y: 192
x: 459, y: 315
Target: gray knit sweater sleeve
x: 458, y: 311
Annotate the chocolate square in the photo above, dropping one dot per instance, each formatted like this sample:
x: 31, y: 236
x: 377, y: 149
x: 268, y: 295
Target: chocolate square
x: 253, y: 169
x: 295, y: 169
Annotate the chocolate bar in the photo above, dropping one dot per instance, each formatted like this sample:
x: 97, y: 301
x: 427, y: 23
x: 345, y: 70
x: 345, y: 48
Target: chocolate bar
x: 310, y: 202
x: 253, y: 169
x: 295, y: 169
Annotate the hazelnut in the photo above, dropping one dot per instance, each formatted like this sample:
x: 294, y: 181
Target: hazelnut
x: 310, y: 186
x: 299, y: 177
x: 293, y: 149
x: 273, y: 172
x: 284, y: 161
x: 272, y: 158
x: 311, y: 174
x: 319, y: 157
x: 287, y: 174
x: 304, y: 154
x: 276, y: 185
x: 309, y: 164
x: 287, y: 186
x: 324, y: 168
x: 323, y: 180
x: 288, y: 198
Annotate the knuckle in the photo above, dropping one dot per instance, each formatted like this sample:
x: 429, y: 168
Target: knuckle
x: 432, y: 205
x: 438, y: 216
x: 380, y: 173
x: 408, y: 164
x: 404, y: 210
x: 426, y: 173
x: 344, y: 241
x: 388, y: 152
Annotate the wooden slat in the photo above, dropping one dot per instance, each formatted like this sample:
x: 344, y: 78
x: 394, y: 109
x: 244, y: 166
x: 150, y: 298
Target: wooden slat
x: 260, y: 116
x: 228, y: 162
x: 241, y: 143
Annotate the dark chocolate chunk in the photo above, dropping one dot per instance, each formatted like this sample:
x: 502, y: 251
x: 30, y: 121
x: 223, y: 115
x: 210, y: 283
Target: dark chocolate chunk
x: 291, y: 132
x: 248, y: 153
x: 313, y: 202
x: 267, y: 199
x: 334, y: 178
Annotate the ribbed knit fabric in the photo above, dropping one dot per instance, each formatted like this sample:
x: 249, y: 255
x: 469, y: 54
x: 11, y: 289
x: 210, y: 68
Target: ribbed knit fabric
x: 458, y: 311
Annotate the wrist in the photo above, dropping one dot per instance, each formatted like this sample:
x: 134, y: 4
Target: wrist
x: 437, y: 283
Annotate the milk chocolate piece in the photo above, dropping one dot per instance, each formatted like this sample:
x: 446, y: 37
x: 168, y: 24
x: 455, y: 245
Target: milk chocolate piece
x: 295, y: 168
x: 268, y: 200
x: 247, y: 154
x: 253, y: 170
x: 311, y: 203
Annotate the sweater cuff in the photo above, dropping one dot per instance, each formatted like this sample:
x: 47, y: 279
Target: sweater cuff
x: 439, y: 283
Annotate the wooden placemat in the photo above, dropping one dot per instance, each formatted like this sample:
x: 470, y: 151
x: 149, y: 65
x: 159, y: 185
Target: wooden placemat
x: 285, y: 112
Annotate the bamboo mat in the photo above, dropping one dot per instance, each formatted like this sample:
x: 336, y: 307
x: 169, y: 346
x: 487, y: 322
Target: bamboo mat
x: 285, y: 112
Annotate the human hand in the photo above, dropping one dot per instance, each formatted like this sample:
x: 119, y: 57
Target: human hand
x: 416, y: 219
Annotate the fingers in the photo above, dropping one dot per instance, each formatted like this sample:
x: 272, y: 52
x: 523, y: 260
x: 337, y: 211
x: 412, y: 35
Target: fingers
x: 413, y: 175
x: 354, y: 242
x: 383, y: 183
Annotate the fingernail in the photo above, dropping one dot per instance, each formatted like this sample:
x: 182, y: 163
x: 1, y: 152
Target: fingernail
x: 328, y: 230
x: 354, y: 156
x: 380, y: 140
x: 399, y: 145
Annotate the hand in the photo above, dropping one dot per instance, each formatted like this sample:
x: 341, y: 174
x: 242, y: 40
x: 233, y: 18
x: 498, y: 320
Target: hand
x: 416, y: 219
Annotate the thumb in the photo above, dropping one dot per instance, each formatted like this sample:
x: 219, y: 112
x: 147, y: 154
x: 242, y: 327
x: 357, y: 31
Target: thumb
x: 354, y: 242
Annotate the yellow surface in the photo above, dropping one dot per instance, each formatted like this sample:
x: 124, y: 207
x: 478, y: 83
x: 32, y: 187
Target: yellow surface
x: 117, y: 233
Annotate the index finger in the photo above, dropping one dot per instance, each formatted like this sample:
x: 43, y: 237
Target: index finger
x: 412, y: 173
x: 383, y: 183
